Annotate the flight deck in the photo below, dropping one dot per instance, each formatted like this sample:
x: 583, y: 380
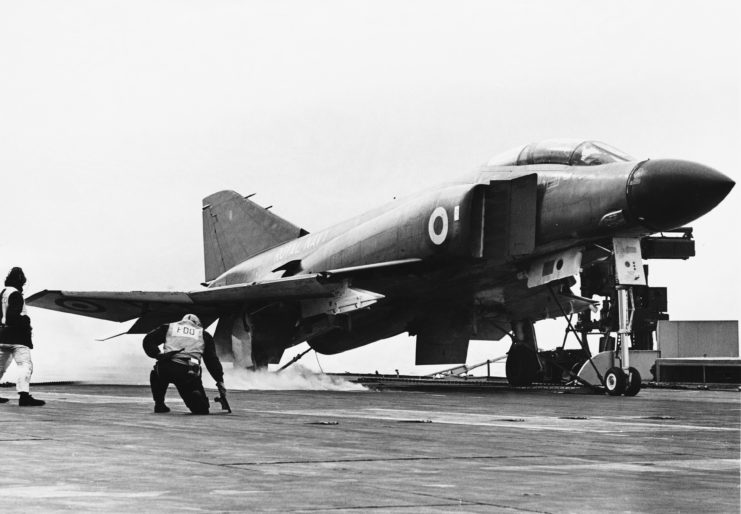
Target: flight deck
x: 101, y: 448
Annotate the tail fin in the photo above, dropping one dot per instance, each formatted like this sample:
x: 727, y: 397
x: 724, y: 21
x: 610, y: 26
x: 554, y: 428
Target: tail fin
x: 235, y: 229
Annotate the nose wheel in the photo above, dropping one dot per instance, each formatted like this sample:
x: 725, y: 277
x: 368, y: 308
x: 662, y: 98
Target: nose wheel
x: 615, y: 381
x: 618, y: 382
x: 633, y: 384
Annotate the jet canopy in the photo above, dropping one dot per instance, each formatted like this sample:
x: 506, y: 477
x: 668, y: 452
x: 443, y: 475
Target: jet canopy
x: 571, y: 152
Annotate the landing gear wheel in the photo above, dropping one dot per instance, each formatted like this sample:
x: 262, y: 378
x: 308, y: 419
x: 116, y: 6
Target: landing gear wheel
x: 522, y: 366
x: 634, y: 382
x: 576, y: 368
x: 615, y: 381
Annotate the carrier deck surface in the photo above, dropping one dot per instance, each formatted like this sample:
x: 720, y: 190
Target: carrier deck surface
x: 100, y: 448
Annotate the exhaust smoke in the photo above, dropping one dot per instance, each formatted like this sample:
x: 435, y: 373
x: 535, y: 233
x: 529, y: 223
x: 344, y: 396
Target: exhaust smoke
x: 295, y: 378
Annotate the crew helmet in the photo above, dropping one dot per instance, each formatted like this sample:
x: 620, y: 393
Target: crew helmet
x: 192, y: 319
x: 16, y: 278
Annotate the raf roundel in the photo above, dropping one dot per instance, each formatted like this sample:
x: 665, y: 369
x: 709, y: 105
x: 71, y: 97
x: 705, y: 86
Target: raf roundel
x: 438, y: 230
x: 79, y: 305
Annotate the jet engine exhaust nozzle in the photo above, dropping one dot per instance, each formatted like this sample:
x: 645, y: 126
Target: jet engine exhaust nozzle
x: 666, y: 193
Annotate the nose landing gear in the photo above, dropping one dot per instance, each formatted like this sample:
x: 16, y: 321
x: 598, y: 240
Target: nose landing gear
x: 619, y: 382
x: 633, y: 384
x: 615, y: 381
x: 620, y: 378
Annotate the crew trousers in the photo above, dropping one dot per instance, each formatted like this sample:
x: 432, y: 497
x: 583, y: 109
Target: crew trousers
x: 187, y: 380
x: 22, y: 356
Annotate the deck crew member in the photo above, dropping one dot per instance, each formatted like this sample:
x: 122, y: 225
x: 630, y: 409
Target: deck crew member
x: 185, y: 345
x: 15, y: 336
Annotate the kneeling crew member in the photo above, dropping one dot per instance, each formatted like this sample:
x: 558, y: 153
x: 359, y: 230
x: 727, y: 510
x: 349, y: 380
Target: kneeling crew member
x: 185, y: 344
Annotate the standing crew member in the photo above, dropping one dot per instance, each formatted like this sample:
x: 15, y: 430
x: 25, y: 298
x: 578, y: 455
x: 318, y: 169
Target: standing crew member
x: 15, y: 336
x: 185, y: 344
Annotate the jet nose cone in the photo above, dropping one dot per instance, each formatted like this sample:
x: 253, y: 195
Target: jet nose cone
x: 667, y: 193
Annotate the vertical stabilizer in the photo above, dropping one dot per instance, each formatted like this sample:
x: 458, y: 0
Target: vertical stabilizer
x: 235, y: 229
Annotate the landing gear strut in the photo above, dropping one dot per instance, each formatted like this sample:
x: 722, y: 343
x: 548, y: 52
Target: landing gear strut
x: 630, y: 383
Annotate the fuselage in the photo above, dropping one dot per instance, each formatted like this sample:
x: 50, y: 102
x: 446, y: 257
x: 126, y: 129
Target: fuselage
x: 571, y: 206
x: 474, y: 239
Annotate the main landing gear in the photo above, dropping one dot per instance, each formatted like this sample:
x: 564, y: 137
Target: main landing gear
x: 522, y: 359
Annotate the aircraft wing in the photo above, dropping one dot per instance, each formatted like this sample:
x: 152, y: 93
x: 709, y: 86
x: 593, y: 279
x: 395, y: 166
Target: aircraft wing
x: 109, y: 305
x: 317, y: 293
x: 162, y: 305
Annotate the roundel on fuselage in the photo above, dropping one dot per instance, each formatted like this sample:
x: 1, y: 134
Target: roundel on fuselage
x: 437, y: 227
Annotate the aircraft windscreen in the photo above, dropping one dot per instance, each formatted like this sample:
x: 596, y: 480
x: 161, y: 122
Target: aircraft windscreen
x: 554, y: 151
x: 561, y: 151
x: 593, y: 153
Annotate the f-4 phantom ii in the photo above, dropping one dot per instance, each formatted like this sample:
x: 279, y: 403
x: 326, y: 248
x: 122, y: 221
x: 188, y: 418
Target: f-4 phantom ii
x: 478, y: 258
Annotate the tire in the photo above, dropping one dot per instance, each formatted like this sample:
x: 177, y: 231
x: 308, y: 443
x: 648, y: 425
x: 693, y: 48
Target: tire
x: 576, y: 368
x: 615, y: 381
x: 633, y: 383
x: 522, y: 366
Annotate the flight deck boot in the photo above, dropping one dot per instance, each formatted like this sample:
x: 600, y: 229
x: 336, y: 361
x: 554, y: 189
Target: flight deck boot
x: 26, y: 400
x: 161, y: 408
x: 158, y: 393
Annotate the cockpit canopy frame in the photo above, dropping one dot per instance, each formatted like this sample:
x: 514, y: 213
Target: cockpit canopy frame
x: 569, y: 152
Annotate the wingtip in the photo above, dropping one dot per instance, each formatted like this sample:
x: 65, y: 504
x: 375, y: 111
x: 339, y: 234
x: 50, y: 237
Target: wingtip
x: 38, y: 294
x: 220, y: 196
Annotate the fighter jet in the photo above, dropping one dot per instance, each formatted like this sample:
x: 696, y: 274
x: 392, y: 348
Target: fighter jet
x: 476, y: 258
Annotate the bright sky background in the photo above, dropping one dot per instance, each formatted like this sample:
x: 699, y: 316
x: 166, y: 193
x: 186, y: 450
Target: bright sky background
x: 117, y: 117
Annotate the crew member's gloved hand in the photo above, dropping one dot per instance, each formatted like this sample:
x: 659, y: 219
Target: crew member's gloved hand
x: 167, y: 355
x: 221, y: 388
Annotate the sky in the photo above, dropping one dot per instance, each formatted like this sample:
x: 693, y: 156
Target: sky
x: 118, y: 117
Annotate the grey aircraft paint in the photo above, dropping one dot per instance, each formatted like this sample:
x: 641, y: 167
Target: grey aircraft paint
x: 448, y: 264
